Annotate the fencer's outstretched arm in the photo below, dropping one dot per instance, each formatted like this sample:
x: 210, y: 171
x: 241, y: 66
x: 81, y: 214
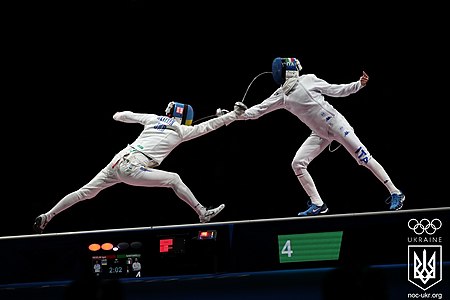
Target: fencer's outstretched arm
x: 274, y: 102
x: 340, y: 90
x: 131, y: 117
x: 190, y: 132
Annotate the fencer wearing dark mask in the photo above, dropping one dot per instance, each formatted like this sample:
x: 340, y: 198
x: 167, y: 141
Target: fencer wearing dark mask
x: 304, y: 96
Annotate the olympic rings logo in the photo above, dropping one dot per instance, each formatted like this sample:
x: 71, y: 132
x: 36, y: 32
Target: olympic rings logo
x: 425, y: 225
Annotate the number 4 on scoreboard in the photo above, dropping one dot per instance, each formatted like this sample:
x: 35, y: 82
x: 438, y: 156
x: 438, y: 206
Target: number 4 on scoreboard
x: 287, y: 249
x: 309, y: 246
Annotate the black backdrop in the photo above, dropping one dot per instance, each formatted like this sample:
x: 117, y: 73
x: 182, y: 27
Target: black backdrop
x: 69, y: 72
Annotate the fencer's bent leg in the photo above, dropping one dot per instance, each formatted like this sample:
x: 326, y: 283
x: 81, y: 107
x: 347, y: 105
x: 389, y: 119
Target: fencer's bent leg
x: 146, y: 177
x: 360, y: 153
x: 312, y: 147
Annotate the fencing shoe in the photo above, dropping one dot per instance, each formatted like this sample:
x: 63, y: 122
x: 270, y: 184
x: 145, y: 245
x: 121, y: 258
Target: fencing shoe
x: 314, y: 210
x: 40, y: 223
x: 396, y: 201
x: 211, y: 213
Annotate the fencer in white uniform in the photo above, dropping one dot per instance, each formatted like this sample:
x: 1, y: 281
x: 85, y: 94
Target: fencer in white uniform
x: 137, y: 163
x: 303, y: 96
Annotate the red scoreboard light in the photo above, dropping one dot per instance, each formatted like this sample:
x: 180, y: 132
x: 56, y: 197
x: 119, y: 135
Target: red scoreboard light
x: 207, y: 235
x: 168, y: 245
x: 165, y: 245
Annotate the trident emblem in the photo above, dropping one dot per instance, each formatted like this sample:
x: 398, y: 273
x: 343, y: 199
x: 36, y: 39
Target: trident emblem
x: 425, y: 265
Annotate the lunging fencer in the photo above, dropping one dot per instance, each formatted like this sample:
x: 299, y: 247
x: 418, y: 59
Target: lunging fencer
x: 303, y: 96
x: 137, y: 163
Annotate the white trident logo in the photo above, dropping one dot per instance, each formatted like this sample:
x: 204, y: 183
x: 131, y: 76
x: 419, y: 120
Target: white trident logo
x: 427, y: 268
x: 424, y: 270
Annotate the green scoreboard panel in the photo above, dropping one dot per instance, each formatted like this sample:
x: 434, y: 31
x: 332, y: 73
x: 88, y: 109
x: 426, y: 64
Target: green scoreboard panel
x: 309, y: 246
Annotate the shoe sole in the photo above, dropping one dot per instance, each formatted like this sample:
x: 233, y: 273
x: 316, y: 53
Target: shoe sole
x: 320, y: 213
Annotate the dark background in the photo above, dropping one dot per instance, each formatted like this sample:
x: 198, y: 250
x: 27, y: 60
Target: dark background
x: 68, y: 71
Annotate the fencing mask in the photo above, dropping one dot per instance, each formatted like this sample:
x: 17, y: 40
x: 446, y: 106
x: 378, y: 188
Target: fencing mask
x: 285, y: 68
x: 183, y: 113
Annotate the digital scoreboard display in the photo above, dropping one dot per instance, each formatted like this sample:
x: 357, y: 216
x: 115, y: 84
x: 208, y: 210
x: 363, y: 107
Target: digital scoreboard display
x: 117, y: 265
x: 121, y: 260
x: 164, y: 254
x: 304, y: 247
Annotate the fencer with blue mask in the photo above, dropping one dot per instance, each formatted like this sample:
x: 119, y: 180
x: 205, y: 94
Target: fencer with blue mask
x: 304, y: 96
x: 137, y: 164
x: 182, y: 113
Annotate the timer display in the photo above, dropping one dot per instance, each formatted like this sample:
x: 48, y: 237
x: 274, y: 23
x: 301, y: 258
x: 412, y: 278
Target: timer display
x: 117, y: 265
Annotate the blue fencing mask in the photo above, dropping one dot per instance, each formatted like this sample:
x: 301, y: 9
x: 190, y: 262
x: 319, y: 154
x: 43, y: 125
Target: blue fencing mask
x: 285, y: 68
x: 183, y: 113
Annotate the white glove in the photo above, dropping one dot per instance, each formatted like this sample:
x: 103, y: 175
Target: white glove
x: 239, y: 108
x: 221, y: 112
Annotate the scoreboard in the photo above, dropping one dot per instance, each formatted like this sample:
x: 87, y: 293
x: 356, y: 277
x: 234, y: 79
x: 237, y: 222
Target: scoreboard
x: 321, y: 246
x: 214, y: 248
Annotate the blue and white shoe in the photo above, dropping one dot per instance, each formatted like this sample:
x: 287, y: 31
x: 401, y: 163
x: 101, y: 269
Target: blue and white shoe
x: 396, y: 201
x: 314, y: 210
